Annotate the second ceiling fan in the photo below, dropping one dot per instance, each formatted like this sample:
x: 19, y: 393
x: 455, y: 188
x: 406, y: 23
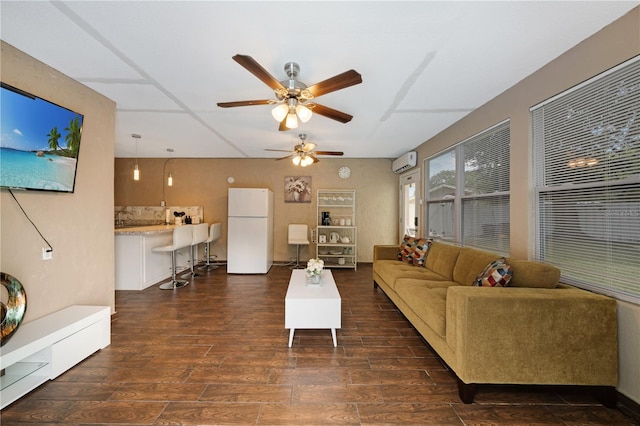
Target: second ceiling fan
x: 303, y: 154
x: 294, y: 97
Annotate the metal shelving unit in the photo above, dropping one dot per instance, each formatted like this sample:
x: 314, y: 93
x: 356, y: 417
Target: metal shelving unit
x: 337, y: 239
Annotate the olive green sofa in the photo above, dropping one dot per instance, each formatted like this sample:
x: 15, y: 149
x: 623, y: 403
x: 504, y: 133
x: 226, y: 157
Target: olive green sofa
x: 534, y: 331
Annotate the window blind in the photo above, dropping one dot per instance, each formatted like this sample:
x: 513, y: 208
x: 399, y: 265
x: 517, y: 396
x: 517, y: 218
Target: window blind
x: 485, y: 202
x: 587, y: 183
x: 468, y: 191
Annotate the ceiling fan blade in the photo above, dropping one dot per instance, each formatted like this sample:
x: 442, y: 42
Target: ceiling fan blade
x: 331, y: 113
x: 256, y: 69
x: 277, y: 150
x: 308, y: 146
x: 340, y: 81
x: 329, y: 153
x: 282, y: 158
x: 246, y: 103
x: 313, y: 157
x: 283, y: 127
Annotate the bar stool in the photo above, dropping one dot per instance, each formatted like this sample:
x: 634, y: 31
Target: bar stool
x: 199, y: 235
x: 298, y: 235
x: 215, y: 232
x: 182, y: 236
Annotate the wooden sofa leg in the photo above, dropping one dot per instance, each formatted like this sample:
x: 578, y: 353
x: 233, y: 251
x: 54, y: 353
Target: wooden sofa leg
x: 466, y: 391
x: 607, y: 396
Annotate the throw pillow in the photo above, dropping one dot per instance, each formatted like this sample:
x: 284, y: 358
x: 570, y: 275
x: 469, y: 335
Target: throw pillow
x: 497, y: 274
x: 406, y: 249
x: 420, y: 250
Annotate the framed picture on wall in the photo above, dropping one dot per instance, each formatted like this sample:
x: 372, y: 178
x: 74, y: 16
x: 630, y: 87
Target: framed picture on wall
x: 297, y: 189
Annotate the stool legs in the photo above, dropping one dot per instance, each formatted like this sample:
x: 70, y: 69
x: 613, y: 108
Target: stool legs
x: 208, y: 266
x: 297, y: 264
x: 174, y: 283
x: 193, y: 272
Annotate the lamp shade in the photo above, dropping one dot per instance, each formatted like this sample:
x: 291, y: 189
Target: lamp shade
x: 304, y: 113
x: 306, y: 160
x: 170, y: 180
x: 296, y: 160
x: 292, y: 121
x: 280, y: 112
x: 136, y: 173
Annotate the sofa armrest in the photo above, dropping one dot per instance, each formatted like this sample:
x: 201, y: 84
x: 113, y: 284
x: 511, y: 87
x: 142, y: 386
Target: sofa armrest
x: 385, y: 252
x: 532, y: 335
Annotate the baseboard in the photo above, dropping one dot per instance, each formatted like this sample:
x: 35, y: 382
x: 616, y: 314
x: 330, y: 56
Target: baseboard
x: 629, y: 407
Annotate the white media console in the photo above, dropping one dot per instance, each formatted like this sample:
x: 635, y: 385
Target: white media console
x: 43, y: 349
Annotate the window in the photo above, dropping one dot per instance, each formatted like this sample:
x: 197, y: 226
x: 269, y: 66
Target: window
x: 476, y: 211
x: 587, y: 182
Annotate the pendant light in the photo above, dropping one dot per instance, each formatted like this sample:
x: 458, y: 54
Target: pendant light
x: 136, y: 170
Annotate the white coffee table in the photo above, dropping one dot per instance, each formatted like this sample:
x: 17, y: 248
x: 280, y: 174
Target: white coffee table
x: 312, y: 305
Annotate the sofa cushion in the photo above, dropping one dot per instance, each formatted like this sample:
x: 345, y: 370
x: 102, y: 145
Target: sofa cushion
x: 527, y: 273
x: 496, y: 274
x: 442, y: 258
x: 420, y: 250
x: 392, y: 270
x: 428, y: 303
x: 471, y: 262
x: 407, y: 246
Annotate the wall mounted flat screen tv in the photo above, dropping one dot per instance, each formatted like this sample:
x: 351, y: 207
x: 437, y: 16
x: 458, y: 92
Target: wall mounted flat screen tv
x: 39, y: 144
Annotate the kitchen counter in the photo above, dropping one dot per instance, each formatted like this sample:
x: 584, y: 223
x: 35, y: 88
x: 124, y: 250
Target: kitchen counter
x: 137, y: 265
x: 139, y: 230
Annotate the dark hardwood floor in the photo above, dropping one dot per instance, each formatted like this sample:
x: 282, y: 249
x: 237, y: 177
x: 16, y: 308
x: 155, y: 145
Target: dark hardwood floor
x: 215, y: 352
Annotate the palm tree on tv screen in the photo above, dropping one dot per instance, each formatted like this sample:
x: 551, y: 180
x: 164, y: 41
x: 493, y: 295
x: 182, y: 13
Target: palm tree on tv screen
x: 53, y: 136
x: 73, y: 137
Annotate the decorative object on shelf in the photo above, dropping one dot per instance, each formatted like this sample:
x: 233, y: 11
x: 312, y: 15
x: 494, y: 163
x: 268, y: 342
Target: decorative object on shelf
x: 322, y: 239
x: 326, y: 219
x: 334, y: 237
x: 314, y: 270
x: 344, y: 172
x: 345, y: 240
x: 13, y: 312
x: 297, y: 189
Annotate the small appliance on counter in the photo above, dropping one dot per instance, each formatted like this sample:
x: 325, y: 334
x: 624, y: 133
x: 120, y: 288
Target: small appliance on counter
x: 178, y: 217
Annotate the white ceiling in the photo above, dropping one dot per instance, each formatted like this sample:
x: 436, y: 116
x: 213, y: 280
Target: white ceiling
x: 424, y: 64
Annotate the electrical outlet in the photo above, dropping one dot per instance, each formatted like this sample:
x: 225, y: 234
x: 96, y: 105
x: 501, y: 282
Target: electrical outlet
x: 47, y: 253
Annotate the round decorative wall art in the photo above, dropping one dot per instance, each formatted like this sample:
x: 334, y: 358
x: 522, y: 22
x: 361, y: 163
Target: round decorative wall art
x: 13, y: 311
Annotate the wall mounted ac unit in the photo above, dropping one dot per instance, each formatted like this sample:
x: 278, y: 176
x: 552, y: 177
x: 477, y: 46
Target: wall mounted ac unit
x: 404, y: 162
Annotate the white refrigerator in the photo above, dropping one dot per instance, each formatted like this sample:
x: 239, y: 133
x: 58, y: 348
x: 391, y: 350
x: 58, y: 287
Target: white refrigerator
x: 250, y: 231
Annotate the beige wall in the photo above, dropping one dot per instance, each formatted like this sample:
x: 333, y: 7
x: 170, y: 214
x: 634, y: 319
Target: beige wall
x: 203, y: 182
x: 79, y: 226
x: 609, y: 47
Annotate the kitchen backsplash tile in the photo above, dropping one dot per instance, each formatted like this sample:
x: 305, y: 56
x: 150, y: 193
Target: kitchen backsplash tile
x: 152, y: 215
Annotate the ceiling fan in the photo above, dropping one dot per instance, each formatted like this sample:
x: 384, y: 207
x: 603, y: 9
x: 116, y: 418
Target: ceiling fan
x: 303, y: 153
x: 293, y: 101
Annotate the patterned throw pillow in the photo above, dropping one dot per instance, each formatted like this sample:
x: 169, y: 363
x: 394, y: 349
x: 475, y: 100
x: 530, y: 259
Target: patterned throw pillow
x: 497, y: 274
x: 420, y: 251
x: 406, y: 249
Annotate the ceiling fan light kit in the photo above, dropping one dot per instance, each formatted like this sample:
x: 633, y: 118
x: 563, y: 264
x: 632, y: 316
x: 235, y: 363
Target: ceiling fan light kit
x: 293, y: 94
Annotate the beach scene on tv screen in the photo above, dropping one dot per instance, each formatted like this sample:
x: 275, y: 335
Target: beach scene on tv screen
x: 39, y: 143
